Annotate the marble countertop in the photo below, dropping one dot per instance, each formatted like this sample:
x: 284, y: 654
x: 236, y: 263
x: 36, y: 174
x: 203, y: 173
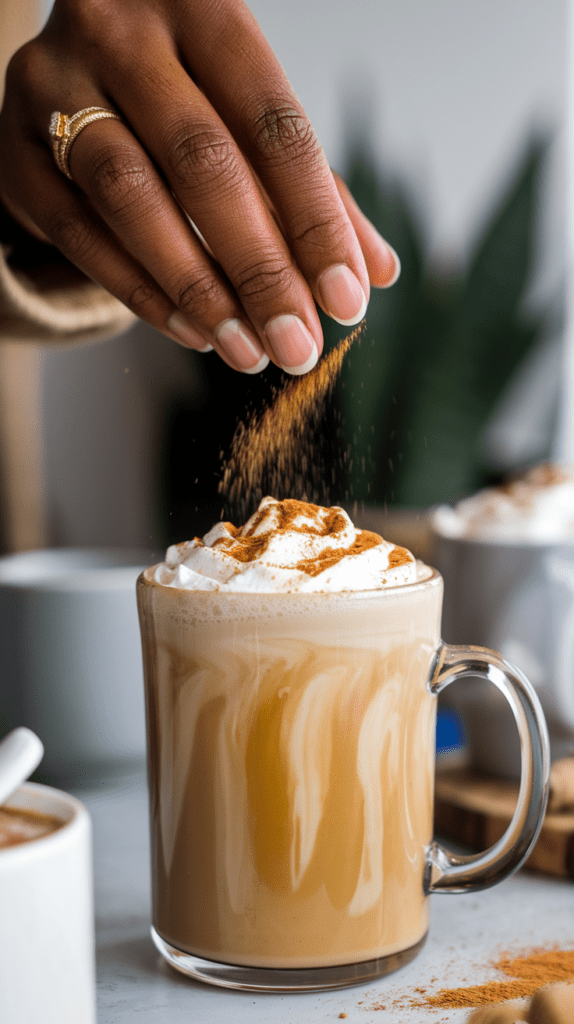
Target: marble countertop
x: 136, y: 987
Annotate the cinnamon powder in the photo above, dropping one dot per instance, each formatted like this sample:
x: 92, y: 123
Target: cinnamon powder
x: 272, y: 452
x: 330, y: 556
x: 527, y: 973
x: 247, y: 547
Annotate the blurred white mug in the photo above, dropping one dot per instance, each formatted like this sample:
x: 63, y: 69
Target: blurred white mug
x: 70, y: 658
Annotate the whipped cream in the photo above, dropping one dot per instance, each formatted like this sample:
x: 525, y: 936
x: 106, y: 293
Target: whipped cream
x: 537, y: 508
x: 287, y: 546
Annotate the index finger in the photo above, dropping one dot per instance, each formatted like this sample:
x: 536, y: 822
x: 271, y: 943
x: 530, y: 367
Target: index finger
x: 237, y: 69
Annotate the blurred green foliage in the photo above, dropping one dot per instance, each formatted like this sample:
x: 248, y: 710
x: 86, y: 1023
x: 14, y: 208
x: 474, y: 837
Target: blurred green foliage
x: 414, y: 397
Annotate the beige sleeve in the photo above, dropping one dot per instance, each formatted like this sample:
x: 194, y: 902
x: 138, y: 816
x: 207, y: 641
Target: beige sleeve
x: 36, y: 306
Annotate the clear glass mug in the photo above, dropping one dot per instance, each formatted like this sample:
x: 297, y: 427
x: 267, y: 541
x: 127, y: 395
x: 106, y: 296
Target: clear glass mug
x: 291, y: 746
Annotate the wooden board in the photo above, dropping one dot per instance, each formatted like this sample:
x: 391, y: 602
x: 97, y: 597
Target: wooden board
x: 474, y: 810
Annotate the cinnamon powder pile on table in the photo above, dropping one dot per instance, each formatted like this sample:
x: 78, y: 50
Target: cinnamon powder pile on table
x: 526, y: 973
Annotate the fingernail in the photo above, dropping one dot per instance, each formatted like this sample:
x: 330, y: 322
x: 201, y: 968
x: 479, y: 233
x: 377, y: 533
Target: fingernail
x: 292, y: 343
x: 342, y: 295
x: 383, y: 264
x: 397, y: 271
x: 263, y: 362
x: 241, y: 345
x: 186, y: 334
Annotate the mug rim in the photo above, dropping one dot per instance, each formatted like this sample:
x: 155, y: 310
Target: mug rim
x: 77, y: 821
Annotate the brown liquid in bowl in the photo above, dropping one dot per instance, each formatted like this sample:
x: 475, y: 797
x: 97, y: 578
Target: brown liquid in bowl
x: 18, y: 826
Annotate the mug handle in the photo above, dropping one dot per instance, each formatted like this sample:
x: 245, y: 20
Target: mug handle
x: 452, y: 872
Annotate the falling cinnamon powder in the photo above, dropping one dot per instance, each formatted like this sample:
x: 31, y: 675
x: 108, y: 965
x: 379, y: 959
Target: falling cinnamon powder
x: 271, y: 452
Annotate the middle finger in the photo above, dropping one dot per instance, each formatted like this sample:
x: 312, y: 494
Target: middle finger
x: 213, y: 182
x: 113, y: 170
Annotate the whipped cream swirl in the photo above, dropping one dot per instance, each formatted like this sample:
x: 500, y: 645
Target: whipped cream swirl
x: 287, y: 546
x: 537, y: 508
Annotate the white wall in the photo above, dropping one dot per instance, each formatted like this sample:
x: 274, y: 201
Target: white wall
x: 451, y: 89
x: 565, y: 439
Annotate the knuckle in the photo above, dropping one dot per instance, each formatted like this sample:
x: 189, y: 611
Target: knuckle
x: 27, y: 70
x: 260, y: 280
x: 141, y: 295
x: 19, y: 67
x: 99, y: 31
x: 282, y: 131
x: 74, y: 234
x: 119, y: 181
x: 198, y: 296
x: 204, y: 157
x: 92, y: 20
x: 326, y: 234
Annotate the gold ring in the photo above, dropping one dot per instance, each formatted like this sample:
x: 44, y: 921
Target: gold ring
x: 64, y: 129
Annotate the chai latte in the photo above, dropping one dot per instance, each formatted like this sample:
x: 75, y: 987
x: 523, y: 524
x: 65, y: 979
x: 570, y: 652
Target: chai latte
x: 291, y: 764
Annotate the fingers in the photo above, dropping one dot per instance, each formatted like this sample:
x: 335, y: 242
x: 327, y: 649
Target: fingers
x: 66, y: 219
x: 211, y: 211
x: 383, y: 264
x: 213, y: 182
x: 69, y: 222
x: 116, y: 173
x: 271, y: 127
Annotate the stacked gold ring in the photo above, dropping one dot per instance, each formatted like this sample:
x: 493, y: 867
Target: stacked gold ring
x: 64, y: 130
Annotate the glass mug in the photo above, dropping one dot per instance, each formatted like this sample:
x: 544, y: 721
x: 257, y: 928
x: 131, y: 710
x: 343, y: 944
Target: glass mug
x: 291, y: 746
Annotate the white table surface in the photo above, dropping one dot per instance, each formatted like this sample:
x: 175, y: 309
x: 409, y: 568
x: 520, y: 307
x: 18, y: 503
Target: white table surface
x: 136, y: 987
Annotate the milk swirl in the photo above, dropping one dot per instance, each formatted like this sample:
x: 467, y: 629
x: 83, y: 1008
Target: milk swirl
x: 287, y: 546
x: 291, y: 765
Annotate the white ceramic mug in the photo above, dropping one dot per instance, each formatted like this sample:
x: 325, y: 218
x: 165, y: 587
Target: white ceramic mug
x: 47, y: 973
x: 70, y: 658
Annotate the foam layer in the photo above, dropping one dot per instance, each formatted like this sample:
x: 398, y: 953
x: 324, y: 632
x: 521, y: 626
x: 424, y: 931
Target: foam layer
x: 287, y: 547
x: 536, y: 508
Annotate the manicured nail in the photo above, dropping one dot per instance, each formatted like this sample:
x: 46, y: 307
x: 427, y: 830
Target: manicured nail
x: 342, y: 295
x: 241, y: 345
x: 397, y: 271
x: 309, y: 363
x: 263, y: 362
x: 292, y: 343
x: 383, y: 264
x: 186, y: 334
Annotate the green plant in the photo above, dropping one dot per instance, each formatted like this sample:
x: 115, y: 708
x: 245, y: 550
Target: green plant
x: 415, y: 396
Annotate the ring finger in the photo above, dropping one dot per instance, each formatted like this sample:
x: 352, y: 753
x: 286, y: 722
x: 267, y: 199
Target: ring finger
x: 206, y: 170
x: 114, y: 171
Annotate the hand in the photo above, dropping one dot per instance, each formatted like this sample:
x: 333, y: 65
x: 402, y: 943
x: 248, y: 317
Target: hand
x: 211, y: 135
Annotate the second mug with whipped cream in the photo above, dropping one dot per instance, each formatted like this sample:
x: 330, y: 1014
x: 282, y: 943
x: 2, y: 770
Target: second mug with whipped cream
x: 291, y: 667
x: 507, y: 557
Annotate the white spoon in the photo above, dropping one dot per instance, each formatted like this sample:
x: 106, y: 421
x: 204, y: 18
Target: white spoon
x: 20, y: 753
